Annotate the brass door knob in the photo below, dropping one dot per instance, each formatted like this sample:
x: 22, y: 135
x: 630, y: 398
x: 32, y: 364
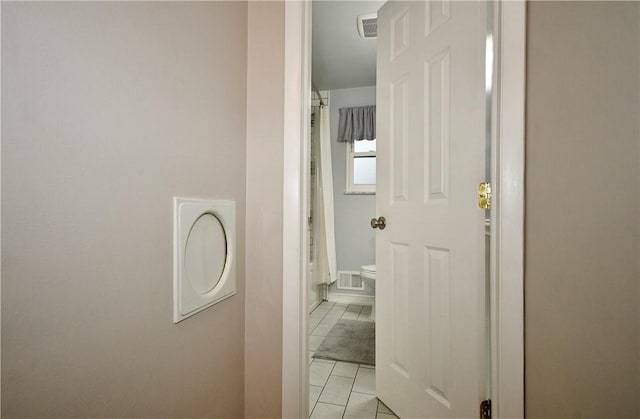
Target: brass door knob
x: 379, y: 222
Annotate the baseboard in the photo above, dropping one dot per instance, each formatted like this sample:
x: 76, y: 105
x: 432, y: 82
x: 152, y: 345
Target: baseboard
x: 315, y: 304
x: 365, y: 300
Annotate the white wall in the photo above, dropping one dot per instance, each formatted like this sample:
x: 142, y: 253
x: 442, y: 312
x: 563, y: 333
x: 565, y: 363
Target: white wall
x: 355, y: 239
x: 265, y: 134
x: 582, y: 348
x: 108, y: 111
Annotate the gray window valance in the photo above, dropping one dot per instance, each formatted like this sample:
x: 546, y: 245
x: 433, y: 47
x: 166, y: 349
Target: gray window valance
x: 357, y: 124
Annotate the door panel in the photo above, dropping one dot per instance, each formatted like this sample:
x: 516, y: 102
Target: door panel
x: 399, y: 138
x: 430, y: 297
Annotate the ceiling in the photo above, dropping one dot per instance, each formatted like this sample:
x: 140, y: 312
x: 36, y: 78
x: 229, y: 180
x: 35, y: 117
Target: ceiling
x: 340, y: 57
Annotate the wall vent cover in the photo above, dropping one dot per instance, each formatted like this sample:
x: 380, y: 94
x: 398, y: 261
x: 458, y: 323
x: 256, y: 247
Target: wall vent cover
x: 350, y: 280
x: 368, y: 25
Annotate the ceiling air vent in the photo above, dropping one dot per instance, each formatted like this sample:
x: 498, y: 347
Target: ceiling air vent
x: 368, y: 25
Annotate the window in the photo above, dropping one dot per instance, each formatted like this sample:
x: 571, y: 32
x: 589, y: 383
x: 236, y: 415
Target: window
x: 361, y: 167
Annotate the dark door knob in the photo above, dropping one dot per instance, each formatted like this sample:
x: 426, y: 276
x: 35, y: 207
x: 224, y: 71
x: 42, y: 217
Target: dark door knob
x: 379, y: 222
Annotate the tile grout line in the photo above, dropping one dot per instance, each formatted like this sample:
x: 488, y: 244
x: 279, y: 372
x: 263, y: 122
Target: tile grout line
x: 325, y: 383
x: 358, y: 314
x: 351, y: 391
x: 323, y: 387
x: 330, y: 372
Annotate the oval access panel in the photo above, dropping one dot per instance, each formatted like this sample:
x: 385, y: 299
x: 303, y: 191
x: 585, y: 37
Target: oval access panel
x: 205, y: 253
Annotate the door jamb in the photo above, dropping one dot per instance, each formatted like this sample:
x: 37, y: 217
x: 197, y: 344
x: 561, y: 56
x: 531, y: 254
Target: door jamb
x: 297, y: 123
x: 507, y: 287
x: 507, y: 340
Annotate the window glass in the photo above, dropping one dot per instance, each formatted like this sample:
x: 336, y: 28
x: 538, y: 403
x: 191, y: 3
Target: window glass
x: 364, y: 170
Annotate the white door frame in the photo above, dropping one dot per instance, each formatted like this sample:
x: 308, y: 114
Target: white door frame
x: 507, y: 294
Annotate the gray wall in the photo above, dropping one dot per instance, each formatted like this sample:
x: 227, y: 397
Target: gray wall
x: 108, y: 111
x: 582, y: 209
x: 355, y: 239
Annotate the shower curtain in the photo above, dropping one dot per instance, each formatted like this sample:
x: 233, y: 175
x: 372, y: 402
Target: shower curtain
x: 323, y: 229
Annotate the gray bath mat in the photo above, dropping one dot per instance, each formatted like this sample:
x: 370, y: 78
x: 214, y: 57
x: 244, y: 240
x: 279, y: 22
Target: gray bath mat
x: 350, y: 341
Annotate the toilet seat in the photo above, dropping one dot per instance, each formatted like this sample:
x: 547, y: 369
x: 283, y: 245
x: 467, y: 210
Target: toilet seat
x: 368, y: 271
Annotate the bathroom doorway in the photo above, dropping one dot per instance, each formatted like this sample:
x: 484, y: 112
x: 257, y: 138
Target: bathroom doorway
x: 506, y: 347
x: 342, y: 181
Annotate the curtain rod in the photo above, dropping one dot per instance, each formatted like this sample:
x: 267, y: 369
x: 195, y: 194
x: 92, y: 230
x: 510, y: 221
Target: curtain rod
x: 315, y: 89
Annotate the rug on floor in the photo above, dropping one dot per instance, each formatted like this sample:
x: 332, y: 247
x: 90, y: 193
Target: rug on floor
x: 350, y: 341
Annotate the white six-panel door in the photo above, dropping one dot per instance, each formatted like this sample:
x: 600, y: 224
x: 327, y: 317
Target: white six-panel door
x: 430, y: 286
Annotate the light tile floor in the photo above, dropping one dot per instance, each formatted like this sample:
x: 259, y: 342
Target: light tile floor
x: 341, y: 389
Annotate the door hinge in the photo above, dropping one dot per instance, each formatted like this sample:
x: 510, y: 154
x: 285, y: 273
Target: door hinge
x: 484, y: 195
x: 485, y: 409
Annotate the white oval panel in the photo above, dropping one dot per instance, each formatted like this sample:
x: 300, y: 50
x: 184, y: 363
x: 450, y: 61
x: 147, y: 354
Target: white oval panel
x: 205, y: 253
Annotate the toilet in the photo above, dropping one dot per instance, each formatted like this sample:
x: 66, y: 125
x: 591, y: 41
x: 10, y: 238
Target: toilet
x: 368, y: 275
